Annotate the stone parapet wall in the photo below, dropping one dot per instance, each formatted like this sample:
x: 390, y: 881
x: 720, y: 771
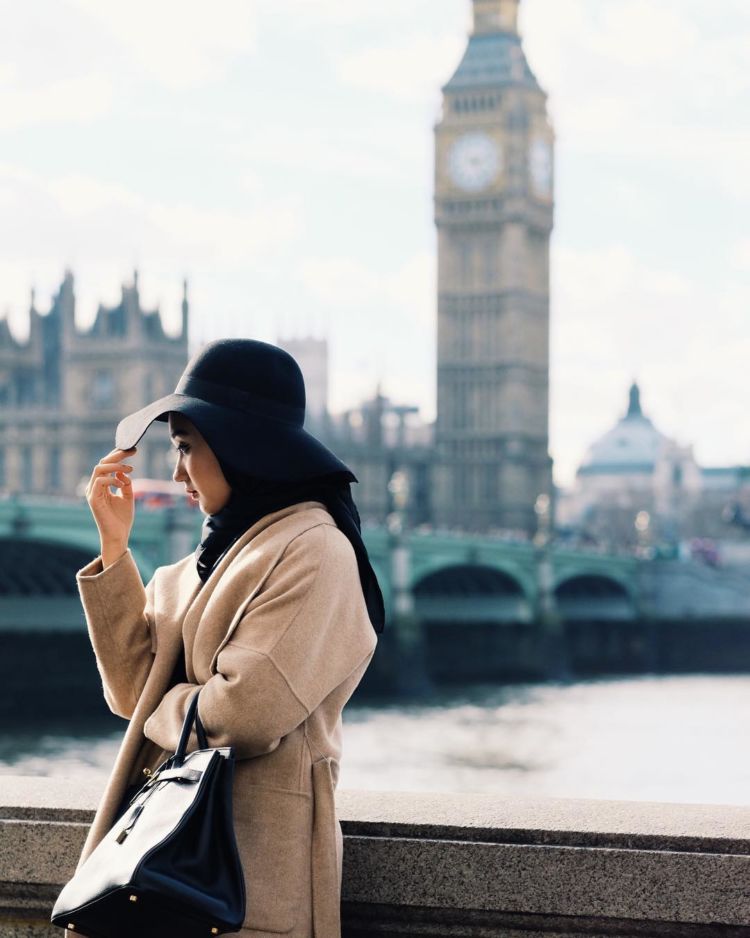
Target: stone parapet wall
x: 455, y: 865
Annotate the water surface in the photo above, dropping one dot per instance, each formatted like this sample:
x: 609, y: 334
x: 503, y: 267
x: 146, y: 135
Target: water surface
x: 680, y: 738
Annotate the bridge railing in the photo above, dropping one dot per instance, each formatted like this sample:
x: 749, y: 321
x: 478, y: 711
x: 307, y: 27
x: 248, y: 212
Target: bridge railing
x: 429, y: 865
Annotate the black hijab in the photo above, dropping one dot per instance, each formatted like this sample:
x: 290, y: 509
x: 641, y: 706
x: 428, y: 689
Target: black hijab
x: 252, y: 498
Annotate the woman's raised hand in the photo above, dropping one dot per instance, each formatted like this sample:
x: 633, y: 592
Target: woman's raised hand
x: 113, y: 513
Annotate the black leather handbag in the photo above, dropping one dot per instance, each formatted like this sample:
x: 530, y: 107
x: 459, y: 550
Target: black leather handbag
x: 169, y: 867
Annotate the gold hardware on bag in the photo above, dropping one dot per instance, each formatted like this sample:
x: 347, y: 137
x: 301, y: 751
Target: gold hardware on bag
x: 122, y: 835
x: 214, y: 931
x: 147, y: 772
x: 134, y: 898
x: 71, y: 926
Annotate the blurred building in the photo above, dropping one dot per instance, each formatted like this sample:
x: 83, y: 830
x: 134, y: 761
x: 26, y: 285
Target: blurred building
x: 637, y: 485
x: 312, y: 356
x: 377, y: 438
x: 485, y: 461
x: 63, y: 391
x: 494, y: 217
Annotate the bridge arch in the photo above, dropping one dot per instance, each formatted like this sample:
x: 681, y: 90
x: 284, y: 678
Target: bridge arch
x: 35, y: 568
x: 588, y: 596
x: 470, y: 592
x: 475, y: 622
x: 425, y: 567
x: 38, y: 590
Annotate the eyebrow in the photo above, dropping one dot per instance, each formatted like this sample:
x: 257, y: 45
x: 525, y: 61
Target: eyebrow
x: 179, y: 432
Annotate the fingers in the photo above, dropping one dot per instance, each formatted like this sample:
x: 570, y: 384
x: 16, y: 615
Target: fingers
x: 115, y: 455
x: 99, y: 488
x: 103, y: 468
x: 110, y: 471
x: 108, y: 480
x: 114, y: 474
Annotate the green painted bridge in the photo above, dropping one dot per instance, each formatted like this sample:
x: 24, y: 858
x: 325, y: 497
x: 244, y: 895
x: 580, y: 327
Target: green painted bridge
x: 441, y: 577
x: 460, y: 607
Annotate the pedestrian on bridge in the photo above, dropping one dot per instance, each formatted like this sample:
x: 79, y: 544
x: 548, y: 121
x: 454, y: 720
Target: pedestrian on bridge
x: 274, y: 618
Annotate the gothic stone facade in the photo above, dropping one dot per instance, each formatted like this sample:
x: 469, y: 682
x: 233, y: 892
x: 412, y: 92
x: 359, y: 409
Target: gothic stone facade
x: 63, y: 391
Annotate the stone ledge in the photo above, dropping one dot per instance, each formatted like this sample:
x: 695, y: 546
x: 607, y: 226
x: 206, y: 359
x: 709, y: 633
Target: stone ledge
x: 650, y: 825
x: 437, y: 865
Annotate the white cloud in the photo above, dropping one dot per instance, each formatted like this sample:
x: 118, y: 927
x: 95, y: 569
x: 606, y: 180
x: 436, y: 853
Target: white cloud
x: 103, y: 230
x: 303, y: 13
x: 224, y: 239
x: 409, y: 289
x: 334, y: 281
x: 414, y: 286
x: 740, y: 257
x: 665, y: 83
x: 361, y: 153
x: 364, y: 305
x: 307, y: 14
x: 179, y: 43
x: 67, y: 101
x: 412, y: 67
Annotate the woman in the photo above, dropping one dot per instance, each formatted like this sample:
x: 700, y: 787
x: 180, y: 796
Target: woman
x: 274, y: 617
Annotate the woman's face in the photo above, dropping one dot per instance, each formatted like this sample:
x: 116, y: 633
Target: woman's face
x: 197, y: 466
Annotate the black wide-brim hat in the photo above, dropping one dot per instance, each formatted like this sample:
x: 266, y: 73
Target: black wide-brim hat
x: 247, y: 399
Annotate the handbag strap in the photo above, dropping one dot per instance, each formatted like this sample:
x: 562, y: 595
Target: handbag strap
x: 191, y: 717
x: 199, y: 731
x: 179, y: 675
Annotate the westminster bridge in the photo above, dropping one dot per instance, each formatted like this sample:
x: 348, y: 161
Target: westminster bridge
x: 455, y: 602
x: 460, y: 606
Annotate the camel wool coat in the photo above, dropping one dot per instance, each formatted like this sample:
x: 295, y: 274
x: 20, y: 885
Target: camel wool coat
x: 278, y: 637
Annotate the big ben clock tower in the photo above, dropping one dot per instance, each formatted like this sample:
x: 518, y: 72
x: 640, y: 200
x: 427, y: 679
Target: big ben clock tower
x: 493, y: 211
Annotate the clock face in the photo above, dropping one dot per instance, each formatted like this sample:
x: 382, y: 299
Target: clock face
x: 474, y: 162
x: 540, y: 168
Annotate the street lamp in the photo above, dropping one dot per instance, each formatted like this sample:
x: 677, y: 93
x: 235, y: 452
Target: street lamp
x: 409, y: 664
x: 398, y: 487
x: 545, y: 575
x: 553, y: 645
x: 542, y: 507
x: 642, y: 525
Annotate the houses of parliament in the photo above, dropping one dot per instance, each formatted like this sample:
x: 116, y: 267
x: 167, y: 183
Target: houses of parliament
x: 484, y: 462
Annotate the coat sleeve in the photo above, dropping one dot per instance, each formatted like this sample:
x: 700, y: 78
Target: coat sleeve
x: 119, y: 618
x: 302, y: 636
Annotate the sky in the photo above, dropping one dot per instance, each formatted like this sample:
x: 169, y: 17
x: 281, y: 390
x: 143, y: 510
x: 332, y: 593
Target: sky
x: 279, y: 154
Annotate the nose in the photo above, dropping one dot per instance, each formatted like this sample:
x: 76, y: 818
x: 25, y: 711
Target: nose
x: 179, y: 474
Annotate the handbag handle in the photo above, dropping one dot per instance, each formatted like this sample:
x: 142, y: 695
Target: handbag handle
x: 190, y: 717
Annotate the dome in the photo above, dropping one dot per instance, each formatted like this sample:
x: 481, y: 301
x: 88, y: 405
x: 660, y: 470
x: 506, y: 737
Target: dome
x: 632, y: 446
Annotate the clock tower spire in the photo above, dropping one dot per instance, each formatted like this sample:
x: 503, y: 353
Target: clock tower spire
x: 494, y: 214
x: 491, y: 16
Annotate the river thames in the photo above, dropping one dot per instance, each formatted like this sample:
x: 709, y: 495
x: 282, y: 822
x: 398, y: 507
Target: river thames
x: 674, y: 738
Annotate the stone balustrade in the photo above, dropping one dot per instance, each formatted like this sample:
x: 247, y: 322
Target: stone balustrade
x: 455, y: 865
